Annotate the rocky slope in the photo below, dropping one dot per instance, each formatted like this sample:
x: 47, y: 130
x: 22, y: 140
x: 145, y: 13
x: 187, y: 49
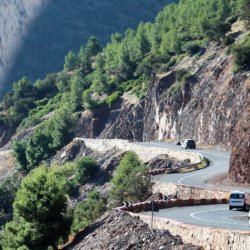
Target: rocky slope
x: 240, y: 160
x: 119, y: 231
x: 206, y: 108
x: 209, y: 107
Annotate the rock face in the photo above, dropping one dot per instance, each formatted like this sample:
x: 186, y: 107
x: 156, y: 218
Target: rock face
x: 240, y: 160
x: 206, y: 108
x: 118, y: 230
x: 7, y: 164
x: 125, y: 120
x: 164, y: 162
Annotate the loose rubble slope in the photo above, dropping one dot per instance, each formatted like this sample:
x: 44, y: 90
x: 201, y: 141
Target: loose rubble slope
x: 120, y: 231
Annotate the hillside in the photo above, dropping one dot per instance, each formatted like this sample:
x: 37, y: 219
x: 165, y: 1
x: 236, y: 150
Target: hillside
x: 15, y: 20
x: 35, y: 32
x: 185, y: 75
x: 108, y: 233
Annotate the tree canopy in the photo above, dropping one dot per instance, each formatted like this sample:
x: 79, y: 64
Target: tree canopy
x: 39, y: 213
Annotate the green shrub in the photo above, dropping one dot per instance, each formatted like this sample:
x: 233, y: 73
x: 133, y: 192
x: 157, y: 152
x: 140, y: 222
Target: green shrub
x: 39, y: 213
x: 88, y: 211
x: 241, y: 54
x: 8, y: 189
x: 110, y: 100
x: 85, y: 169
x: 66, y: 175
x: 131, y: 181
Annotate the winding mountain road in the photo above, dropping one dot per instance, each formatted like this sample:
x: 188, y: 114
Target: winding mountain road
x: 219, y: 166
x: 217, y: 216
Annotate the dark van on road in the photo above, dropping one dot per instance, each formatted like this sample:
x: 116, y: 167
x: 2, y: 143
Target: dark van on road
x: 188, y: 144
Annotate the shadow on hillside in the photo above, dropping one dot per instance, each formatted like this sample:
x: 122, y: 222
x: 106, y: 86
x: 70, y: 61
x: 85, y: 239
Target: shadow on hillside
x: 66, y: 25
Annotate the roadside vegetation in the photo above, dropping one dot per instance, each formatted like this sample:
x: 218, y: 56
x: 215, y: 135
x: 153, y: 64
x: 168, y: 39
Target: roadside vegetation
x: 42, y: 217
x: 131, y: 181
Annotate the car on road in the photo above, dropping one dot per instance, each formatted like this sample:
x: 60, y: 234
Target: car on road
x: 188, y: 144
x: 240, y: 200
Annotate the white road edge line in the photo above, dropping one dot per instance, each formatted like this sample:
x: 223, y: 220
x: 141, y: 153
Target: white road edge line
x: 216, y: 221
x: 182, y: 179
x: 208, y: 152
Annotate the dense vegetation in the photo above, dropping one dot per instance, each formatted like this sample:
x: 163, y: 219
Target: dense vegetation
x: 41, y: 214
x: 86, y: 212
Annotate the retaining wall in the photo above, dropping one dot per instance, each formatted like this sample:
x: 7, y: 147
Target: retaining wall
x: 207, y: 237
x: 144, y: 153
x: 186, y: 192
x: 161, y: 204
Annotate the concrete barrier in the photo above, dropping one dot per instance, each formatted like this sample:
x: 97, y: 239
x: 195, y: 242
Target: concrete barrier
x: 144, y: 153
x: 186, y: 192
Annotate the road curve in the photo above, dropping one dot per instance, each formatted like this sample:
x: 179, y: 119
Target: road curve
x: 216, y: 216
x: 219, y: 166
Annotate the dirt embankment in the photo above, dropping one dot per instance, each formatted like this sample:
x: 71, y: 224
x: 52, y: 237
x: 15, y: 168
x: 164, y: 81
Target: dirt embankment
x: 119, y: 231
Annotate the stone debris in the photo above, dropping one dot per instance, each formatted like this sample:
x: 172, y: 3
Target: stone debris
x: 119, y: 231
x: 7, y: 164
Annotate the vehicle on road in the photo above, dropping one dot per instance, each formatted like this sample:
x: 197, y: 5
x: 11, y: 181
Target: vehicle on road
x: 188, y: 144
x: 240, y: 200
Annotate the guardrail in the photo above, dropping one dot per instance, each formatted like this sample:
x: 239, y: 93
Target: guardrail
x: 161, y: 204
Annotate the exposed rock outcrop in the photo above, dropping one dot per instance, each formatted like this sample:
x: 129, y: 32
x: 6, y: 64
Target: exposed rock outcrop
x: 165, y: 162
x: 7, y: 164
x: 240, y: 160
x: 206, y: 108
x: 125, y: 120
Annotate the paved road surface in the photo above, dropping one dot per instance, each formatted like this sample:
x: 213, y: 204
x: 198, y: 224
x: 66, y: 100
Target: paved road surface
x: 219, y: 166
x: 217, y: 216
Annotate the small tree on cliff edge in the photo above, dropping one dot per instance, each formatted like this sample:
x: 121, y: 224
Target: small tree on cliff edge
x: 39, y: 213
x: 131, y: 181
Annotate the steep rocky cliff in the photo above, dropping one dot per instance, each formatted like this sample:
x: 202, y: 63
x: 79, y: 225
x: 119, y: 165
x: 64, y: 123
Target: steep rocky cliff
x: 211, y: 106
x: 206, y: 108
x: 240, y: 160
